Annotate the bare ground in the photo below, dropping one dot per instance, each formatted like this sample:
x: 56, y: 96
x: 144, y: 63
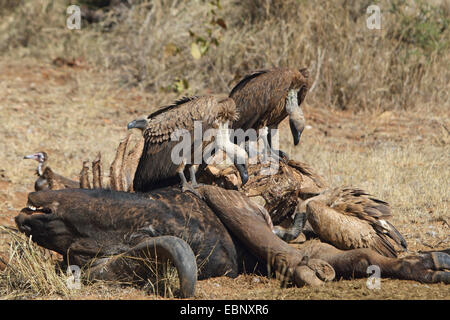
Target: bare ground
x: 72, y: 113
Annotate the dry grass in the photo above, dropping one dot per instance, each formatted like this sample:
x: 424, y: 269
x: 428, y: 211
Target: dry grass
x: 30, y: 271
x: 400, y: 155
x: 33, y: 272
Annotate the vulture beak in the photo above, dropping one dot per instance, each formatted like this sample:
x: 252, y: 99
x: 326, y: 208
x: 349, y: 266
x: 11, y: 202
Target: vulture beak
x: 33, y: 156
x: 242, y: 172
x: 296, y: 129
x: 137, y: 124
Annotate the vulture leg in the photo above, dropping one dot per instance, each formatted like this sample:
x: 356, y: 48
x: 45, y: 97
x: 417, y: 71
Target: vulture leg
x: 135, y: 262
x: 185, y: 186
x: 268, y: 144
x: 180, y: 171
x: 249, y: 149
x: 192, y: 171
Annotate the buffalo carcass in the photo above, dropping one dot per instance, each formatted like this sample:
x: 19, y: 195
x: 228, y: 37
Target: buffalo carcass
x: 97, y: 227
x: 108, y: 230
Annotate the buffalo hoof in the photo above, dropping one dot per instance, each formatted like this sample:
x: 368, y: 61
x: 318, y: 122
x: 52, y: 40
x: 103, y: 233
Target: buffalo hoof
x: 313, y: 272
x: 435, y: 264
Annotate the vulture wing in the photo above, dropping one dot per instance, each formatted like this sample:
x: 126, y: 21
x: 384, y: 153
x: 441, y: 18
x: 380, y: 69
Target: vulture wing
x: 183, y: 113
x: 156, y: 168
x: 358, y: 203
x: 261, y: 96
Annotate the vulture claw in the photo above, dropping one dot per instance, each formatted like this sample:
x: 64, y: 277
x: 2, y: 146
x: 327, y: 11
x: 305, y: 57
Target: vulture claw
x: 186, y: 187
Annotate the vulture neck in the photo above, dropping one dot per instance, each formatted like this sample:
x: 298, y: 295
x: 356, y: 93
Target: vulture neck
x: 223, y: 142
x: 41, y: 167
x: 292, y: 102
x: 296, y: 117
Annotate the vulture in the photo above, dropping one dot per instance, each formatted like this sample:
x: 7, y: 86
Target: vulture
x: 350, y: 218
x: 264, y: 98
x: 161, y: 132
x: 47, y: 179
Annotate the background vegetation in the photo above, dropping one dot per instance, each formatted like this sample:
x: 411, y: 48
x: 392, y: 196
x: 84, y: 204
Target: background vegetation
x: 197, y: 46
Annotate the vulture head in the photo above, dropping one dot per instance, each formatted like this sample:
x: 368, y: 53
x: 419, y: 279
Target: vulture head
x: 139, y: 123
x: 41, y: 158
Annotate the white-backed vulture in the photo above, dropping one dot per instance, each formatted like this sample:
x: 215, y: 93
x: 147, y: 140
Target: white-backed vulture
x: 264, y: 98
x: 156, y: 167
x: 47, y: 179
x: 351, y: 218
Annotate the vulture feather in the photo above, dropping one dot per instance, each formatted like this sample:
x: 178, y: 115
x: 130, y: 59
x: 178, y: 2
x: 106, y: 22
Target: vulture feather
x: 350, y: 218
x: 156, y: 167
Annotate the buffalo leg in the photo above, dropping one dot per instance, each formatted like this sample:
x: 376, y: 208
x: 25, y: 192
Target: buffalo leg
x: 246, y: 222
x: 425, y: 267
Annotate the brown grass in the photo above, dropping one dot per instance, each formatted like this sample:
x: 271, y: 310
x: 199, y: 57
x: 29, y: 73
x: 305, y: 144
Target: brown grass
x: 402, y: 66
x: 30, y: 271
x: 392, y: 138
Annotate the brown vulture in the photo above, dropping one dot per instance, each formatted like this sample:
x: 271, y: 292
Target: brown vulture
x: 264, y: 98
x: 162, y: 129
x: 47, y: 179
x: 350, y: 218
